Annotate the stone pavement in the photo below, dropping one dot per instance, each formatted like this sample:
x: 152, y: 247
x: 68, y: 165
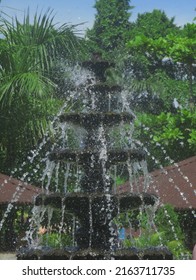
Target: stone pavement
x: 7, y: 256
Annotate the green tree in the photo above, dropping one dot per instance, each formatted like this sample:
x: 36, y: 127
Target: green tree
x: 172, y: 130
x: 153, y: 25
x: 111, y: 26
x: 175, y: 48
x: 149, y: 27
x: 28, y: 52
x: 182, y: 49
x: 167, y: 136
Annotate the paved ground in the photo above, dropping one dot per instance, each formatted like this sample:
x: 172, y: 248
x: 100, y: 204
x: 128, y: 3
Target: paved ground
x: 7, y: 256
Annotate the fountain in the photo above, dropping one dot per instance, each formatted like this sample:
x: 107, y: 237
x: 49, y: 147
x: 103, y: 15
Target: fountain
x: 95, y: 203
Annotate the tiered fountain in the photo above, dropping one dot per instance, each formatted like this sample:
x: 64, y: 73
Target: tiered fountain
x: 95, y: 204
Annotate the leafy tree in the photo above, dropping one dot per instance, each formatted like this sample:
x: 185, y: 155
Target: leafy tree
x: 178, y: 48
x: 168, y: 136
x: 182, y: 49
x: 28, y: 53
x: 158, y: 93
x: 153, y: 25
x: 149, y: 26
x: 173, y: 130
x: 111, y: 25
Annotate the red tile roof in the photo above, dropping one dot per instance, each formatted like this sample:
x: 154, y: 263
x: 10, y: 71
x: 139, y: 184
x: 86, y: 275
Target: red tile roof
x: 16, y: 191
x: 174, y: 184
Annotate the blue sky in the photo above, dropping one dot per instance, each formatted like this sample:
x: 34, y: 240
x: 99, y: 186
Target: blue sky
x: 77, y: 11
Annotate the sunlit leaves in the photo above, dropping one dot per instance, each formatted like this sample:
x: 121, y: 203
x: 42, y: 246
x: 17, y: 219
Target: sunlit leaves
x: 153, y: 25
x: 29, y: 50
x: 180, y: 49
x: 111, y: 25
x: 174, y: 132
x: 192, y: 139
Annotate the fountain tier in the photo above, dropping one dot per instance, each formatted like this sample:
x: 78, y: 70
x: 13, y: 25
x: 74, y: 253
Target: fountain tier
x: 84, y: 157
x: 94, y: 120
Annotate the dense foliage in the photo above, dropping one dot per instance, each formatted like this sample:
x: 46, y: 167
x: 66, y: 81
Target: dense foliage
x: 28, y: 54
x: 168, y: 136
x: 111, y: 26
x: 153, y: 24
x: 168, y: 94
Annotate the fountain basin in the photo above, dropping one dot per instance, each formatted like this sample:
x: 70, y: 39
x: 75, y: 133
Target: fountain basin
x: 73, y: 253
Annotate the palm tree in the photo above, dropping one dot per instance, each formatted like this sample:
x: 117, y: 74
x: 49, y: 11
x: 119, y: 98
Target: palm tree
x: 28, y: 53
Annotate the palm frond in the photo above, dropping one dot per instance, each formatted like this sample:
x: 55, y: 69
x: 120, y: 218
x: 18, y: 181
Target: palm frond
x: 29, y: 50
x: 27, y: 85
